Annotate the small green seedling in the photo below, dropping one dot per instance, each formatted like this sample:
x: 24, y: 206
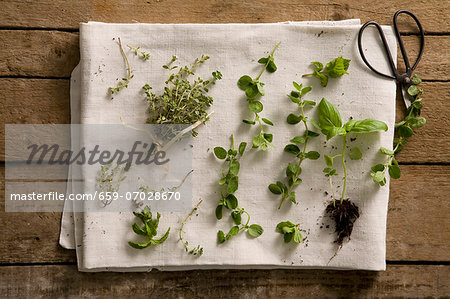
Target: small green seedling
x: 137, y: 51
x: 290, y: 231
x: 148, y: 229
x: 333, y: 69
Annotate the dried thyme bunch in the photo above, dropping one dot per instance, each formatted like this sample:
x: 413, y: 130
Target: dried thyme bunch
x: 183, y: 101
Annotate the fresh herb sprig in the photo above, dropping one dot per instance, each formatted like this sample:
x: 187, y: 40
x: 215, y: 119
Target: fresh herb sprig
x: 254, y: 88
x: 404, y: 130
x: 290, y: 231
x: 125, y: 80
x: 294, y: 170
x: 183, y: 101
x: 137, y: 51
x: 344, y: 212
x: 147, y: 229
x: 197, y: 250
x: 229, y: 184
x: 333, y: 69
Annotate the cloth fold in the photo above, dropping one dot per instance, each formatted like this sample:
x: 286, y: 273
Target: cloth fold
x: 101, y: 238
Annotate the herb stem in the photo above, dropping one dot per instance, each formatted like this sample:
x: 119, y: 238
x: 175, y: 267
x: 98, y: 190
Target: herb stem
x: 267, y: 63
x: 126, y: 59
x: 184, y: 222
x: 344, y: 167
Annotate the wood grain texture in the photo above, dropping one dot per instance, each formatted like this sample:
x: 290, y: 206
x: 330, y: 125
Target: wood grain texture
x: 55, y: 54
x: 396, y: 282
x: 68, y: 14
x: 421, y: 192
x: 47, y: 101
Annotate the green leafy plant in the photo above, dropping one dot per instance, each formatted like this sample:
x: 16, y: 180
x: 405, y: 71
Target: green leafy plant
x: 290, y: 231
x: 404, y: 130
x: 197, y: 250
x: 183, y: 101
x: 343, y: 212
x: 229, y: 184
x: 125, y: 80
x: 293, y: 171
x: 333, y: 69
x: 254, y: 89
x: 148, y: 229
x: 137, y: 51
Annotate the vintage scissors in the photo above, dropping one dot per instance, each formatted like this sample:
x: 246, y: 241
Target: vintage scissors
x: 403, y: 80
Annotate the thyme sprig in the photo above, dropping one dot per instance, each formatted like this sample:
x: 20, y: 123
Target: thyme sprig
x: 137, y: 51
x: 229, y: 183
x: 125, y: 80
x: 183, y: 101
x: 294, y: 170
x: 404, y: 130
x: 197, y: 250
x: 253, y: 89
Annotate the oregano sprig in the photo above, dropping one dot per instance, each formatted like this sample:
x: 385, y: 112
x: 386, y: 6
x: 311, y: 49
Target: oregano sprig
x: 333, y: 69
x: 148, y: 229
x: 229, y: 184
x: 290, y: 232
x: 294, y: 170
x: 125, y: 80
x: 404, y: 130
x: 254, y: 88
x: 137, y: 51
x: 197, y: 250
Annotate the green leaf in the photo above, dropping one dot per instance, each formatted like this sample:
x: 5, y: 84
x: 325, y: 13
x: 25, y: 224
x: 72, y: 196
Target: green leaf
x: 405, y: 131
x: 255, y: 106
x: 236, y: 215
x: 337, y: 67
x: 258, y: 140
x: 162, y: 239
x: 233, y: 232
x: 305, y: 91
x: 231, y: 201
x: 328, y: 160
x: 292, y: 195
x: 329, y: 116
x: 263, y: 60
x: 312, y: 134
x: 298, y: 140
x: 417, y: 122
x: 416, y: 80
x: 268, y: 137
x: 310, y: 103
x: 368, y: 126
x: 220, y: 236
x: 244, y: 82
x: 413, y: 90
x: 355, y: 154
x: 232, y: 185
x: 255, y: 230
x: 298, y: 238
x: 315, y: 124
x: 288, y: 237
x: 234, y: 167
x: 293, y: 119
x: 394, y: 171
x: 138, y: 230
x: 317, y: 65
x: 297, y: 86
x: 271, y: 67
x: 139, y: 245
x: 250, y: 122
x: 282, y: 225
x: 378, y: 167
x: 323, y: 79
x: 251, y: 91
x: 378, y: 176
x: 219, y: 212
x: 386, y: 151
x: 292, y: 148
x: 275, y: 189
x: 242, y: 147
x: 220, y: 152
x: 267, y: 121
x: 313, y: 155
x: 260, y: 87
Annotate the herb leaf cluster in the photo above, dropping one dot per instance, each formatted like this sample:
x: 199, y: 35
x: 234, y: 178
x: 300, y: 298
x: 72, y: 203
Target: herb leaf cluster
x: 229, y: 184
x: 254, y: 89
x: 137, y: 52
x: 404, y: 130
x: 293, y: 171
x: 290, y: 232
x: 148, y: 229
x: 183, y: 101
x: 333, y: 69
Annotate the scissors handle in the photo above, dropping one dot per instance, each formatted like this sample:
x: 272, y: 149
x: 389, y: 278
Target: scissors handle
x: 409, y: 69
x: 395, y: 74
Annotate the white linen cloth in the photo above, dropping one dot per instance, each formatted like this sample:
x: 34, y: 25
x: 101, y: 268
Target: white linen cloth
x: 101, y: 239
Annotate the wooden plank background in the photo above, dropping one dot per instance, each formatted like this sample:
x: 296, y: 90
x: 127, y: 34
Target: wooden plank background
x: 40, y: 49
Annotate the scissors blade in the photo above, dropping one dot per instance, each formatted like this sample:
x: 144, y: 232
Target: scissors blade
x: 407, y: 98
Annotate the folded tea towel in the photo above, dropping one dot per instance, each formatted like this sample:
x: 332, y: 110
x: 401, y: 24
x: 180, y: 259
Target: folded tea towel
x: 101, y: 238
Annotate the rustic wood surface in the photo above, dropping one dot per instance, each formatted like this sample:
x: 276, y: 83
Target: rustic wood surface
x: 40, y: 49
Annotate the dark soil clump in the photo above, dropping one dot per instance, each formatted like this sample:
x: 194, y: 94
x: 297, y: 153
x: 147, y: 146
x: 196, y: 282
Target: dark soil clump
x: 344, y: 215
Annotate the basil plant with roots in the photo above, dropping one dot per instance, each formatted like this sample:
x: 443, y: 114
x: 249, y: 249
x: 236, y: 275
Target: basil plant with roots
x: 344, y: 212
